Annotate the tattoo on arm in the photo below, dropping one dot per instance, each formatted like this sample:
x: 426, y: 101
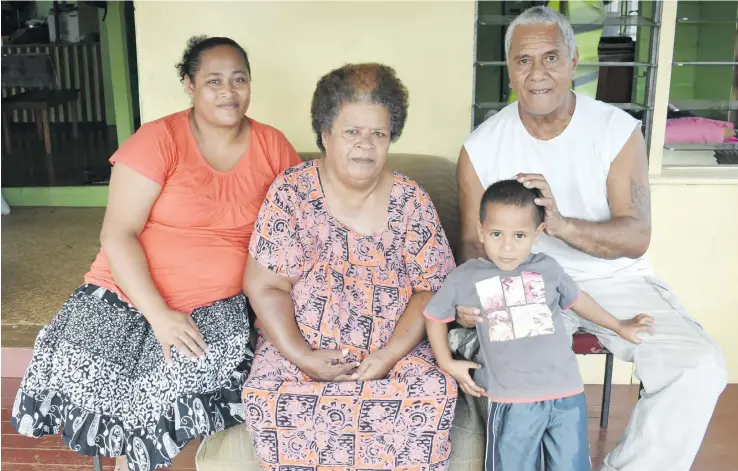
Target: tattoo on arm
x: 640, y: 199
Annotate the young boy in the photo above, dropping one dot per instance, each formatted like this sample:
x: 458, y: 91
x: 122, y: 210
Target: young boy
x: 529, y: 372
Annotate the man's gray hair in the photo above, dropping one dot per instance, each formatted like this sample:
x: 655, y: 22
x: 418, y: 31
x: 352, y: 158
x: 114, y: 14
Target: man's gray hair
x: 543, y: 16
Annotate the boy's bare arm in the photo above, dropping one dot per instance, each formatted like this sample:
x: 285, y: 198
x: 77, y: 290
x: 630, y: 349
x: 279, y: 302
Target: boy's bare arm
x: 458, y: 369
x: 587, y: 308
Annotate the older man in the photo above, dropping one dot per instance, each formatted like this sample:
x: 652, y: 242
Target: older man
x: 588, y: 159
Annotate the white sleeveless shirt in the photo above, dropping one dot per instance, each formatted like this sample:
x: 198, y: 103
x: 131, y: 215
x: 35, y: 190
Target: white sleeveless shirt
x: 575, y: 164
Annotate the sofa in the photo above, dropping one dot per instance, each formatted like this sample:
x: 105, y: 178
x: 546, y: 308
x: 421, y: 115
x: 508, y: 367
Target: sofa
x: 232, y: 450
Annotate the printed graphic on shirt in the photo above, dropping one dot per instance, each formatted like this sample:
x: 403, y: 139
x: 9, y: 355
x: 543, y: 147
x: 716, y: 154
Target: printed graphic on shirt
x: 500, y: 326
x: 490, y: 294
x: 531, y: 320
x: 535, y: 292
x: 514, y: 291
x: 515, y: 306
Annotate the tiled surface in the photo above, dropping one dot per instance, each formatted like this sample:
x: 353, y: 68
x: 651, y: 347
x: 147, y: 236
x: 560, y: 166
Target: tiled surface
x: 718, y: 452
x: 45, y: 253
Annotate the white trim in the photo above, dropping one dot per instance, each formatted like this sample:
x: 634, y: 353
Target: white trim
x: 696, y: 176
x: 662, y: 84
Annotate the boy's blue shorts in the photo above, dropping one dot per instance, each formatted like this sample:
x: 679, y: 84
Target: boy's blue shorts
x: 522, y: 435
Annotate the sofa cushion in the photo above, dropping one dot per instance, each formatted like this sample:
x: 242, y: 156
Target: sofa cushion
x: 468, y: 434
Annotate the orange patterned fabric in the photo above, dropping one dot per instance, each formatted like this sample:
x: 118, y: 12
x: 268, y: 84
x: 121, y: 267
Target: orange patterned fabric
x: 350, y: 294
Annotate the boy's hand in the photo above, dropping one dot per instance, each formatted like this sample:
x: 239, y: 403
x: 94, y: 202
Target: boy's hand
x: 640, y: 323
x: 459, y: 369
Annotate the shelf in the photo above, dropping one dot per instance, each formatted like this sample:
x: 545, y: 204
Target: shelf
x: 581, y: 64
x: 698, y: 21
x: 718, y: 105
x: 498, y: 105
x: 730, y: 63
x: 629, y: 20
x: 695, y: 147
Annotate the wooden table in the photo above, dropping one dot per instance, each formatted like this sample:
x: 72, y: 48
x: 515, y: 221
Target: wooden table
x: 40, y: 102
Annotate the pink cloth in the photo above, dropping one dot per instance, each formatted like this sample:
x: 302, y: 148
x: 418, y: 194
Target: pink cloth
x: 696, y: 130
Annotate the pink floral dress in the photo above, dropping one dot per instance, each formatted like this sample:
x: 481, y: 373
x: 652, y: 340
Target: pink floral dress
x: 351, y: 292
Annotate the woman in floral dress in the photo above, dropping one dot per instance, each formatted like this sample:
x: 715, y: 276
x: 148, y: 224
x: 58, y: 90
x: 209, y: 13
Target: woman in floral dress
x: 344, y: 256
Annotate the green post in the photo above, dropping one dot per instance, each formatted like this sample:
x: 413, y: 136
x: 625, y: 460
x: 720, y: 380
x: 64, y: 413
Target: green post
x: 120, y: 75
x: 107, y: 79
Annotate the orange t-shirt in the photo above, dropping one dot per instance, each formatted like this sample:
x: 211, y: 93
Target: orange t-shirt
x: 197, y: 237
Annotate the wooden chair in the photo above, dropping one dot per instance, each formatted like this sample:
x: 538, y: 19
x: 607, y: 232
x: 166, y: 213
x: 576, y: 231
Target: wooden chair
x: 34, y: 72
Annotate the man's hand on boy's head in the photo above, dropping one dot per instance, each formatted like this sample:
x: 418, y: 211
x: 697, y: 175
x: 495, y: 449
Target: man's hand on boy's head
x: 555, y: 223
x: 459, y: 369
x: 468, y: 316
x: 631, y: 327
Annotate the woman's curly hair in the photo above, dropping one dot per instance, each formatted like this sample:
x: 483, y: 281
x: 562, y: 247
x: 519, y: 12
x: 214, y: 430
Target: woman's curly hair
x: 358, y: 83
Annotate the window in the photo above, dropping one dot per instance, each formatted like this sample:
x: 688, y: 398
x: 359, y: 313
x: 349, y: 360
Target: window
x: 617, y: 41
x: 702, y: 115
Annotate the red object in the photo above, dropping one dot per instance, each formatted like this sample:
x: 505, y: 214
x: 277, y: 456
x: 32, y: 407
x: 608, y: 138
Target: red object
x: 586, y: 344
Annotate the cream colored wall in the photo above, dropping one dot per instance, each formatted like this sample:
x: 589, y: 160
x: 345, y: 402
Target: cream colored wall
x: 695, y: 224
x: 292, y: 44
x: 694, y: 248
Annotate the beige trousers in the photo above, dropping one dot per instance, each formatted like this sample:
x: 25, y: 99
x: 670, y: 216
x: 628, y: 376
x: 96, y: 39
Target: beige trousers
x: 682, y: 369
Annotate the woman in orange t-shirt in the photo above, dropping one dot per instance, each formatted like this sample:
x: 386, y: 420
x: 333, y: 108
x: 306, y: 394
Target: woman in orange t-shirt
x: 153, y: 349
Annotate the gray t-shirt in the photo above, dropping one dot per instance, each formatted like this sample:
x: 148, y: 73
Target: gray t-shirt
x: 525, y: 353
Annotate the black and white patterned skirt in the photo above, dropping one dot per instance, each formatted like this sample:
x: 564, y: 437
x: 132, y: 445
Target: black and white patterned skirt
x: 99, y: 377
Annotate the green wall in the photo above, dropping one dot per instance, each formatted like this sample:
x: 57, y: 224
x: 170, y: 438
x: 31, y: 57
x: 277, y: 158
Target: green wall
x: 711, y: 37
x: 90, y: 196
x: 114, y: 27
x: 716, y: 43
x: 107, y: 78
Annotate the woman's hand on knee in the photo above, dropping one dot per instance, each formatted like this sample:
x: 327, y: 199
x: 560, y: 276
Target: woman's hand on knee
x: 376, y: 365
x: 175, y: 329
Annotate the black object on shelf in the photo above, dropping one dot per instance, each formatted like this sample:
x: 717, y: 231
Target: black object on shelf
x: 727, y: 156
x: 37, y: 34
x: 615, y: 84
